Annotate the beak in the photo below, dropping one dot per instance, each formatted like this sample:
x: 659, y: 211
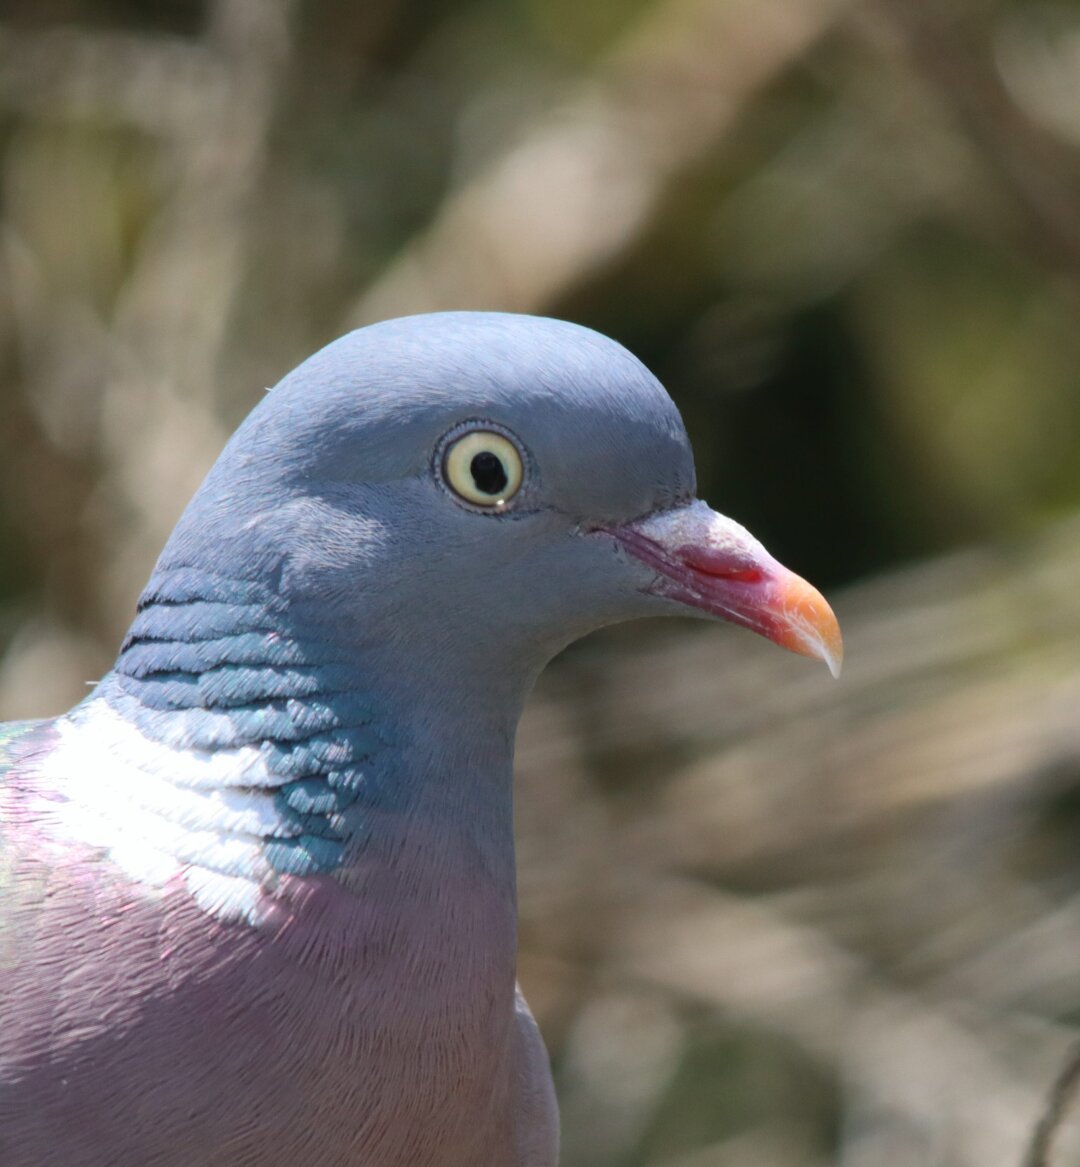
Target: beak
x: 709, y: 562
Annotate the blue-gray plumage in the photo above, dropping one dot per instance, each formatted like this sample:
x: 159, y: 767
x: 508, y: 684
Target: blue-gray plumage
x: 258, y: 888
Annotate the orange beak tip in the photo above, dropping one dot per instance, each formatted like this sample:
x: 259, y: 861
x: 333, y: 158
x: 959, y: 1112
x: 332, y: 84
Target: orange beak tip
x: 804, y: 623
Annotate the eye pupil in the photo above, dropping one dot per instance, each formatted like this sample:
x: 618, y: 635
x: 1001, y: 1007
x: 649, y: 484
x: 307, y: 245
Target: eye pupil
x: 488, y: 473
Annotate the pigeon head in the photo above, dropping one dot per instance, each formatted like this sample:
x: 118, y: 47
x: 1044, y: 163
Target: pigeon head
x: 337, y: 640
x: 463, y: 494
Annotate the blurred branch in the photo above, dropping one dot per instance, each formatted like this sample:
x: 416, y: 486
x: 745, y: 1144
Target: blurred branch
x: 953, y: 49
x: 158, y: 84
x: 580, y: 183
x: 904, y: 1059
x: 1062, y: 1096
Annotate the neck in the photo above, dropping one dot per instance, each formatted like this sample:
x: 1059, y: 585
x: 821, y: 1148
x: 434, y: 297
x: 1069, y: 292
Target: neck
x: 235, y: 752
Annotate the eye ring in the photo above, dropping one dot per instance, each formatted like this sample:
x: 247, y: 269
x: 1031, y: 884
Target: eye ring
x: 483, y: 467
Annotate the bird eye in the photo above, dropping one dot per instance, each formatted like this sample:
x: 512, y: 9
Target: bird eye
x: 484, y: 468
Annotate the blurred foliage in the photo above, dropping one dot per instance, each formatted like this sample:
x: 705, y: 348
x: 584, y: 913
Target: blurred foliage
x: 847, y: 237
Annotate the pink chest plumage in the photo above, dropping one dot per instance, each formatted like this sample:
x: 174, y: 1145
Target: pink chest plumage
x: 340, y: 1033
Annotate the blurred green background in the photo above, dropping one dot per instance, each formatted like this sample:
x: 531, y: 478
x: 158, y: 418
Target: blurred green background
x: 766, y: 921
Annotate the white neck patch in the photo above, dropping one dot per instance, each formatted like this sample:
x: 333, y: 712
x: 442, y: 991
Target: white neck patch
x: 162, y: 814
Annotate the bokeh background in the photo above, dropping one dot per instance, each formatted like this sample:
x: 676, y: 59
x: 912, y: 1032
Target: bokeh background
x: 767, y: 920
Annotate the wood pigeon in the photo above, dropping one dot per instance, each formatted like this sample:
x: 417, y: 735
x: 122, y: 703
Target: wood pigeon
x: 257, y: 890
